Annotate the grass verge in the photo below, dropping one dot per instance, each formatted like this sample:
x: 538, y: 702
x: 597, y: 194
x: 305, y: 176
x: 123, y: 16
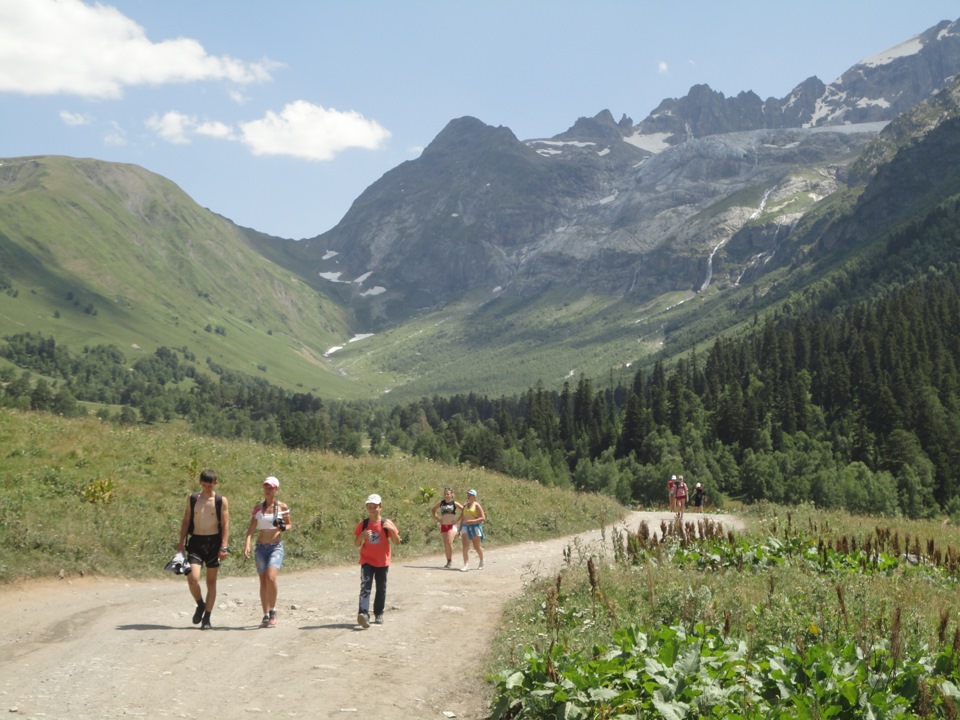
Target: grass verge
x: 83, y: 496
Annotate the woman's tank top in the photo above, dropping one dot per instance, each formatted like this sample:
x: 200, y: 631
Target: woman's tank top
x: 448, y: 508
x: 264, y: 520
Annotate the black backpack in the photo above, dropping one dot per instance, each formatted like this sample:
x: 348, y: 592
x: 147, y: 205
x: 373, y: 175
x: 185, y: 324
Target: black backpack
x: 383, y: 521
x: 193, y: 503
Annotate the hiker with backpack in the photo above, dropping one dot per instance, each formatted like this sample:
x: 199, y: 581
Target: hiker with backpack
x: 271, y: 518
x: 206, y: 520
x: 699, y: 497
x: 373, y: 536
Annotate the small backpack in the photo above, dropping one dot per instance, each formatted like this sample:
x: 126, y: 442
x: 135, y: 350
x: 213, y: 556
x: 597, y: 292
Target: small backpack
x: 366, y: 521
x: 193, y: 503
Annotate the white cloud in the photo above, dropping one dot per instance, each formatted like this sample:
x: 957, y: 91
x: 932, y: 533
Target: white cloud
x: 72, y: 118
x: 215, y: 129
x: 50, y: 47
x: 172, y: 126
x: 662, y: 67
x: 115, y: 135
x: 309, y: 131
x: 177, y: 128
x: 300, y: 130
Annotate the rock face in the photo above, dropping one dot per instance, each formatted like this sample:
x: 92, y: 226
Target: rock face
x: 612, y: 207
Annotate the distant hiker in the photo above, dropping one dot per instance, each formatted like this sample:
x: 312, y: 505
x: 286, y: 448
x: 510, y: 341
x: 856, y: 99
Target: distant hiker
x: 680, y: 491
x: 270, y: 519
x: 206, y: 520
x: 672, y: 493
x: 373, y: 536
x: 471, y: 529
x: 699, y: 497
x: 447, y: 509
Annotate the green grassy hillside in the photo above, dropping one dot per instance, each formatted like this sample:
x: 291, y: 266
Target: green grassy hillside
x: 85, y: 496
x: 94, y: 252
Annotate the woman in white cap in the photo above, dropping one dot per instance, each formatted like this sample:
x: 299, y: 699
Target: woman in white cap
x: 699, y: 497
x: 271, y: 518
x: 471, y: 529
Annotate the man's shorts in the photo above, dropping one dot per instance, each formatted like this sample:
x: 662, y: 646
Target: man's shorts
x: 204, y: 549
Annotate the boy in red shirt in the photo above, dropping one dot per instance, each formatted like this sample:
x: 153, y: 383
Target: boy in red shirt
x: 373, y: 535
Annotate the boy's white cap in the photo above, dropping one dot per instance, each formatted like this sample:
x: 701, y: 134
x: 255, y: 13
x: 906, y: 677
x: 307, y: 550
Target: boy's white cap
x: 375, y: 499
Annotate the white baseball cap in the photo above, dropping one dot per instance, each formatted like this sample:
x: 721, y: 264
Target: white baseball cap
x: 375, y: 499
x: 272, y: 481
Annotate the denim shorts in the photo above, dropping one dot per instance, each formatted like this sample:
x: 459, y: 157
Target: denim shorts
x: 268, y: 555
x: 471, y: 531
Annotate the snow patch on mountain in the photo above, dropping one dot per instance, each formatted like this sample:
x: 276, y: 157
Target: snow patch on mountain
x: 651, y: 142
x: 904, y: 49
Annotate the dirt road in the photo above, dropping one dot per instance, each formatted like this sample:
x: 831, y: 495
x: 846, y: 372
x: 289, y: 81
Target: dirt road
x: 94, y: 648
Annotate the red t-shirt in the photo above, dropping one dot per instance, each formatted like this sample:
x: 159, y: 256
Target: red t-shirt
x: 376, y: 550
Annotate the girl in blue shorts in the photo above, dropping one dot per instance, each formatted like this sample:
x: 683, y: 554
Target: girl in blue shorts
x: 271, y: 518
x: 471, y: 529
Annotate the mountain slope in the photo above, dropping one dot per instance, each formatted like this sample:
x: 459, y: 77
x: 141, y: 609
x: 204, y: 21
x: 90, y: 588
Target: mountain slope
x: 803, y: 228
x: 94, y: 252
x: 610, y: 207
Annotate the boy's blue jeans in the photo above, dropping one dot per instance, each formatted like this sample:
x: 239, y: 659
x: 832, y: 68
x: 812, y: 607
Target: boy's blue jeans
x: 369, y: 573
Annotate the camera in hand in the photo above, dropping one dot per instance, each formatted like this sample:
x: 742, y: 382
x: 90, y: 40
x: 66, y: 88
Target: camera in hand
x: 279, y: 524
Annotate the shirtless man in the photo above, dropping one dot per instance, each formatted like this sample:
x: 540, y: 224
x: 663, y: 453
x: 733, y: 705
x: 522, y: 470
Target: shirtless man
x: 206, y: 520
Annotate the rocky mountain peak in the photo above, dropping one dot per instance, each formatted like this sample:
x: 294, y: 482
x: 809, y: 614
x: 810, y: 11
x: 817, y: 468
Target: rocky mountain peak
x: 613, y: 207
x: 468, y: 135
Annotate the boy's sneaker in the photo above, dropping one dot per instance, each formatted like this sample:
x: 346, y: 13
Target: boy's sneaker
x: 265, y: 622
x: 480, y: 566
x: 448, y: 565
x: 205, y: 625
x: 363, y: 620
x: 378, y: 619
x: 464, y: 568
x: 198, y: 613
x: 272, y: 619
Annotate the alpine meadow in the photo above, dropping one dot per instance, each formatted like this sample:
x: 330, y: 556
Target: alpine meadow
x: 760, y: 296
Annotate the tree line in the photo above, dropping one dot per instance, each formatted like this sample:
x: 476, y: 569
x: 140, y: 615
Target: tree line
x: 854, y: 406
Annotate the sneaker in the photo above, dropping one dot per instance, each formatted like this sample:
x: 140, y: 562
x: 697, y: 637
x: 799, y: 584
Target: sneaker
x: 272, y: 619
x: 378, y: 619
x: 480, y: 566
x: 205, y: 625
x: 363, y: 620
x: 448, y: 565
x: 464, y: 568
x: 265, y: 622
x: 198, y: 613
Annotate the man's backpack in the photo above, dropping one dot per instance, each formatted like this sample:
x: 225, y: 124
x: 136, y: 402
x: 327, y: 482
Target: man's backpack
x: 193, y: 503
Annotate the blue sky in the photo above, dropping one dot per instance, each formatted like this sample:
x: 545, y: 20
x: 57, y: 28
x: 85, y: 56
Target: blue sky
x: 279, y: 114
